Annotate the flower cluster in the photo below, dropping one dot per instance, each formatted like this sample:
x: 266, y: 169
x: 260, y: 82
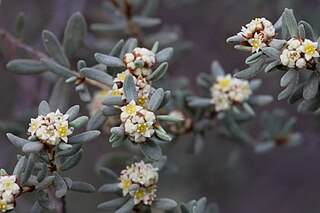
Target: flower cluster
x: 8, y: 188
x: 139, y: 61
x: 145, y: 176
x: 298, y: 52
x: 138, y: 122
x: 51, y: 128
x: 227, y: 91
x: 180, y: 127
x: 258, y: 33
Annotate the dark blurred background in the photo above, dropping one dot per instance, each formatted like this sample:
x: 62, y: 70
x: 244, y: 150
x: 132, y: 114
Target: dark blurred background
x: 285, y: 180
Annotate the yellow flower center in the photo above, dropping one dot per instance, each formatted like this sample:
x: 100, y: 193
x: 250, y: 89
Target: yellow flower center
x: 255, y: 43
x: 3, y: 206
x: 309, y: 49
x: 224, y: 83
x: 293, y: 55
x: 142, y: 128
x: 139, y: 194
x: 131, y: 109
x: 122, y: 76
x: 7, y: 185
x: 62, y: 131
x: 116, y: 93
x: 142, y: 101
x: 126, y: 184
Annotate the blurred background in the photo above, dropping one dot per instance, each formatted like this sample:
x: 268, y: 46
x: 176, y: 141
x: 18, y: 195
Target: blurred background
x: 236, y: 178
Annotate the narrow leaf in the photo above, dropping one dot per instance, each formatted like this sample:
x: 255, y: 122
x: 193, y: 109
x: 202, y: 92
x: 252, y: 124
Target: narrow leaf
x: 26, y: 67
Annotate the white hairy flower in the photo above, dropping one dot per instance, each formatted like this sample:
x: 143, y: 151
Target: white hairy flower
x: 256, y: 43
x: 51, y: 128
x: 139, y: 61
x: 8, y: 184
x: 145, y: 176
x: 227, y: 91
x: 309, y: 48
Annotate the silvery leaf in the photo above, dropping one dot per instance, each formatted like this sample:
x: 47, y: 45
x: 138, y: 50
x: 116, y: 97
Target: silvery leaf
x: 74, y: 34
x: 44, y: 108
x: 309, y: 105
x: 169, y: 118
x: 54, y: 48
x: 71, y: 161
x: 250, y: 71
x: 112, y: 101
x: 311, y: 88
x: 58, y: 69
x: 271, y: 52
x: 289, y: 89
x: 151, y: 150
x: 79, y: 122
x: 260, y: 100
x: 17, y: 141
x: 101, y: 27
x: 117, y: 49
x: 73, y: 112
x: 109, y: 187
x: 289, y: 76
x: 164, y: 204
x: 117, y: 131
x: 308, y: 30
x: 156, y: 100
x: 164, y: 55
x: 26, y: 66
x: 113, y: 204
x: 84, y: 137
x: 43, y: 172
x: 32, y: 147
x: 253, y: 58
x: 45, y: 183
x: 96, y: 121
x: 98, y: 76
x: 108, y: 60
x: 18, y: 169
x: 28, y: 170
x: 129, y: 89
x: 61, y: 186
x: 110, y: 111
x: 159, y: 72
x: 277, y: 43
x: 71, y: 151
x: 60, y: 95
x: 216, y: 70
x: 291, y: 22
x: 166, y: 99
x: 145, y: 22
x: 132, y: 44
x: 108, y: 175
x: 243, y: 48
x: 301, y: 31
x: 235, y: 39
x: 270, y: 67
x: 126, y: 207
x: 296, y: 95
x: 79, y: 186
x: 255, y: 84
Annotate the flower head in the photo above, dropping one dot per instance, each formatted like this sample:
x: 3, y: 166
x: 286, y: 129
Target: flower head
x: 8, y: 188
x: 227, y: 91
x: 145, y: 176
x: 51, y: 128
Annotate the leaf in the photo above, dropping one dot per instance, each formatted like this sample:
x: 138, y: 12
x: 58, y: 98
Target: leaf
x: 42, y: 173
x: 216, y: 69
x: 54, y: 48
x: 166, y: 99
x: 36, y: 208
x: 71, y: 151
x: 308, y: 30
x: 164, y: 55
x: 301, y: 31
x: 112, y: 101
x: 109, y: 187
x: 98, y: 76
x: 163, y: 135
x: 291, y: 22
x: 61, y: 186
x: 82, y: 187
x: 129, y: 89
x: 44, y: 108
x: 155, y: 45
x: 73, y: 112
x: 45, y: 183
x: 117, y: 49
x: 118, y: 141
x: 58, y: 69
x: 242, y: 48
x: 270, y: 67
x: 169, y: 118
x: 44, y: 201
x: 145, y: 22
x: 151, y: 150
x: 271, y: 52
x: 108, y: 175
x: 159, y: 72
x: 289, y: 89
x: 26, y: 67
x: 119, y: 131
x: 101, y: 27
x: 250, y: 71
x: 17, y: 141
x: 28, y: 170
x: 156, y: 100
x: 60, y: 96
x: 132, y: 43
x: 74, y: 34
x: 310, y: 90
x: 201, y: 203
x: 108, y: 60
x: 113, y: 204
x: 71, y: 161
x: 96, y: 121
x: 126, y: 207
x: 289, y: 76
x: 255, y: 84
x: 309, y: 105
x: 200, y: 102
x: 79, y: 122
x: 84, y: 137
x: 18, y: 169
x: 164, y: 204
x: 32, y: 147
x: 235, y: 39
x: 277, y: 43
x: 110, y: 111
x: 260, y: 100
x: 253, y: 58
x: 150, y: 8
x: 296, y: 95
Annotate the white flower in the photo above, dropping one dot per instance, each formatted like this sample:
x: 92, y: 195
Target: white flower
x: 227, y: 91
x: 129, y: 110
x: 143, y: 175
x: 301, y: 62
x: 5, y: 206
x: 8, y: 184
x: 257, y: 43
x: 294, y: 44
x: 309, y: 49
x: 51, y: 128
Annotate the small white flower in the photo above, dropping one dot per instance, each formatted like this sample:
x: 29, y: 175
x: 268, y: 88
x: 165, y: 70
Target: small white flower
x: 129, y: 110
x: 8, y: 184
x: 309, y: 49
x: 5, y: 206
x: 257, y: 43
x: 144, y: 175
x: 301, y: 62
x: 294, y: 44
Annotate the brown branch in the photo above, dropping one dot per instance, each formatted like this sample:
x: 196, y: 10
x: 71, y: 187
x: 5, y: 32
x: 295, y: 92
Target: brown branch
x: 14, y: 42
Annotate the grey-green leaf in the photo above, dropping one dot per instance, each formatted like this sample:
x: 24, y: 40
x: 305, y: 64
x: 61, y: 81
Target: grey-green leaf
x: 71, y: 161
x: 74, y: 34
x: 108, y: 60
x: 44, y: 108
x: 145, y: 22
x: 73, y: 112
x: 45, y: 183
x: 271, y: 52
x: 32, y: 147
x: 79, y: 122
x: 291, y: 22
x: 113, y: 204
x: 289, y: 76
x: 129, y: 89
x: 164, y: 55
x: 109, y: 187
x: 79, y: 186
x: 159, y: 72
x: 164, y: 204
x: 26, y: 66
x: 311, y: 88
x: 54, y: 48
x: 84, y: 137
x: 17, y: 141
x: 58, y: 69
x: 61, y: 186
x: 156, y: 100
x: 112, y: 101
x: 126, y: 207
x: 151, y: 150
x: 96, y: 121
x: 98, y: 76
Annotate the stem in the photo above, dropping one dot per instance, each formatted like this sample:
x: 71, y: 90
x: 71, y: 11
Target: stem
x: 13, y: 41
x: 63, y: 205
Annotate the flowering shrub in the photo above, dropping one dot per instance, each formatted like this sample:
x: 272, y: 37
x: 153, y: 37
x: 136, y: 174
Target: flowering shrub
x: 134, y: 104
